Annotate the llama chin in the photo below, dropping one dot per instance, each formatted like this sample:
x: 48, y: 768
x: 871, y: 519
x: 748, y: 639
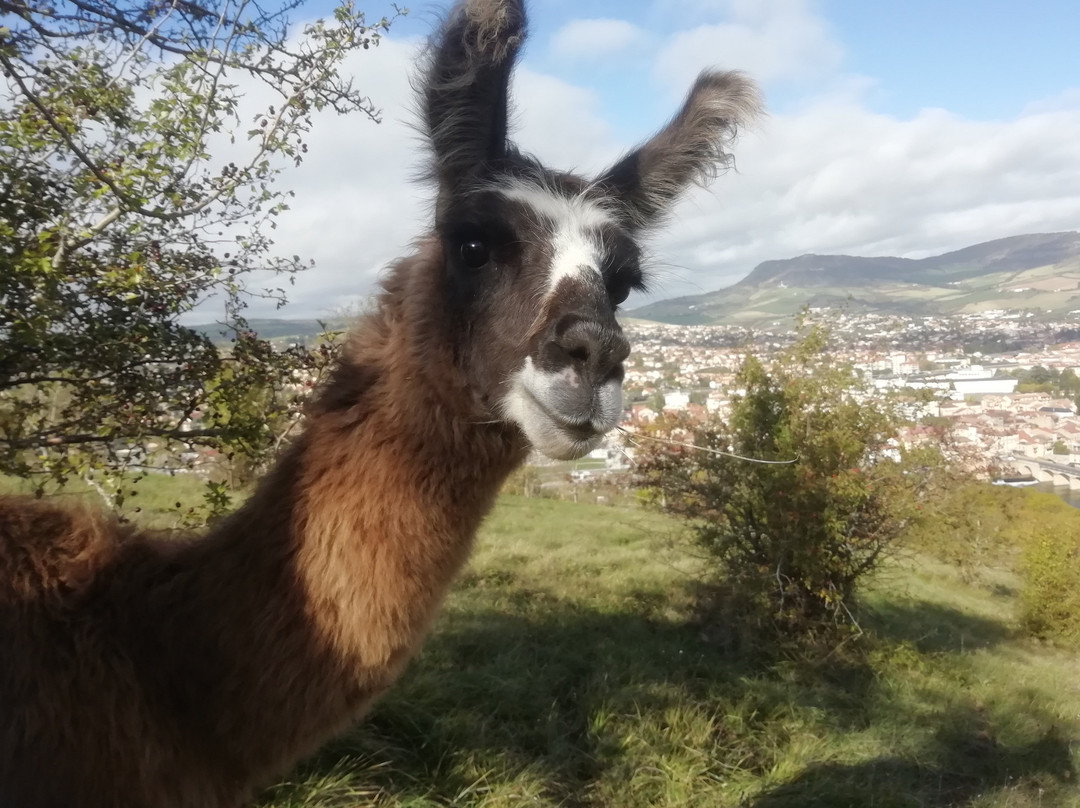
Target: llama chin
x: 562, y: 416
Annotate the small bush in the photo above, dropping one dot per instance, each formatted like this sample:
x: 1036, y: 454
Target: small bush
x: 788, y: 541
x: 524, y: 482
x: 976, y: 526
x: 972, y: 525
x: 1050, y: 599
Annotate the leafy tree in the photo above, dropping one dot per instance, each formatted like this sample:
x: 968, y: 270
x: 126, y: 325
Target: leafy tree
x: 1039, y: 379
x: 1069, y: 383
x: 1035, y: 387
x: 1041, y: 375
x: 137, y: 182
x: 786, y: 543
x: 525, y: 482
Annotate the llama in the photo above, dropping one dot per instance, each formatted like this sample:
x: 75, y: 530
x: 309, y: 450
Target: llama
x: 184, y: 673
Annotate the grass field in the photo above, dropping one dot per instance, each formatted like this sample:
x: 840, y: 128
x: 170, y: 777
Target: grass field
x: 566, y: 671
x: 159, y: 501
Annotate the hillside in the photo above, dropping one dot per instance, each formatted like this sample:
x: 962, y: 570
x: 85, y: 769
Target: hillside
x: 567, y: 669
x: 1038, y: 271
x: 273, y: 329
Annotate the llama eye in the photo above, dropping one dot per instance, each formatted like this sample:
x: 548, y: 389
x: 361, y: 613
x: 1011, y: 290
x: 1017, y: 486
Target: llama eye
x: 474, y: 253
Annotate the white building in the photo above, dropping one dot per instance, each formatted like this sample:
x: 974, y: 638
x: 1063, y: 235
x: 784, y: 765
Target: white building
x: 676, y: 400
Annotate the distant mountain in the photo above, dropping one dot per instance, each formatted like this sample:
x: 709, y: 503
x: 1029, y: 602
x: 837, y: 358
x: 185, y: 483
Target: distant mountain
x: 272, y: 329
x: 1039, y: 271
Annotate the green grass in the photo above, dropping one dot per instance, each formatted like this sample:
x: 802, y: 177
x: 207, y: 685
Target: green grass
x: 159, y: 500
x: 564, y: 672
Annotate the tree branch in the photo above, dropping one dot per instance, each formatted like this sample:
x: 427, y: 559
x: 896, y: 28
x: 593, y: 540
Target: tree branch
x: 76, y: 440
x: 61, y: 130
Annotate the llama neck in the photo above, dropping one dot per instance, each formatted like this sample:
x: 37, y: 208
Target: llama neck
x: 388, y: 501
x: 327, y: 579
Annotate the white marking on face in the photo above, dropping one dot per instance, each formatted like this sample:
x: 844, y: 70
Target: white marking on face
x: 533, y: 403
x: 575, y: 222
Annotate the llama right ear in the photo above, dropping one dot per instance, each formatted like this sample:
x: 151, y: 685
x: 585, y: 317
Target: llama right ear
x: 465, y: 88
x: 691, y: 149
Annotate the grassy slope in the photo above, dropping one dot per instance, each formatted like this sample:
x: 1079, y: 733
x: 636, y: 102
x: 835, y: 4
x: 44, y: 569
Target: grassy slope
x: 1046, y: 287
x: 563, y: 672
x: 159, y: 500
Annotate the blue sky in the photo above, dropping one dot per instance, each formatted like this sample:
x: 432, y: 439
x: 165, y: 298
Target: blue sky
x: 894, y: 128
x: 987, y: 59
x: 980, y: 58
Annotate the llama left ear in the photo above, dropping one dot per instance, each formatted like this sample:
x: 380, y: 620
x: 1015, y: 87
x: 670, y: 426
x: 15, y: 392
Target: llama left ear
x: 691, y: 149
x: 465, y: 89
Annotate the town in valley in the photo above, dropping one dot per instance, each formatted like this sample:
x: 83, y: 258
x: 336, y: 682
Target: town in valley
x: 979, y: 373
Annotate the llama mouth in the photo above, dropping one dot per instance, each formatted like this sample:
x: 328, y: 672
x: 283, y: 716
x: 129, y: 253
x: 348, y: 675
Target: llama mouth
x: 586, y: 425
x: 556, y: 434
x: 580, y: 426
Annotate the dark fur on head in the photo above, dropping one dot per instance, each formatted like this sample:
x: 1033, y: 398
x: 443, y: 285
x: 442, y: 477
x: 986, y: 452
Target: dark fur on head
x: 465, y: 89
x: 465, y: 94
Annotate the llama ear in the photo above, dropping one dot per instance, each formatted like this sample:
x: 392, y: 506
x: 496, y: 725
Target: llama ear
x: 465, y: 88
x: 692, y: 148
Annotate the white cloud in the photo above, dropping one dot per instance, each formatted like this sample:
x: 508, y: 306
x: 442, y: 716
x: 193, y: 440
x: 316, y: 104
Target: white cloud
x: 1070, y: 99
x: 356, y: 206
x: 830, y: 176
x: 836, y: 178
x: 595, y: 39
x: 560, y: 123
x: 773, y: 41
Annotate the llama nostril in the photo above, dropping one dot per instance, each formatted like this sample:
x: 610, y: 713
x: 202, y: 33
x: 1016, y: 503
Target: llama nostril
x: 592, y: 348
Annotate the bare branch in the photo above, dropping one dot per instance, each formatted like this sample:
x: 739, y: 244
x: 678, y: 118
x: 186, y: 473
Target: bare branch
x: 48, y: 439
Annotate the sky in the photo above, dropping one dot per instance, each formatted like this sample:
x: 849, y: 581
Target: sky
x: 905, y: 129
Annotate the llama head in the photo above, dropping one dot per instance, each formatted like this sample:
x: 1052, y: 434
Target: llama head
x: 536, y: 261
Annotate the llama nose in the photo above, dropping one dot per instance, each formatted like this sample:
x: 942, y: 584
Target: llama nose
x: 596, y: 350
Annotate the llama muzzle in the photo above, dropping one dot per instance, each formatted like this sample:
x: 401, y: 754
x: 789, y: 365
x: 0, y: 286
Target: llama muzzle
x: 569, y: 394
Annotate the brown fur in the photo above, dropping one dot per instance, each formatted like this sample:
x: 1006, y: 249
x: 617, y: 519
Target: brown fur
x: 183, y: 673
x: 151, y: 673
